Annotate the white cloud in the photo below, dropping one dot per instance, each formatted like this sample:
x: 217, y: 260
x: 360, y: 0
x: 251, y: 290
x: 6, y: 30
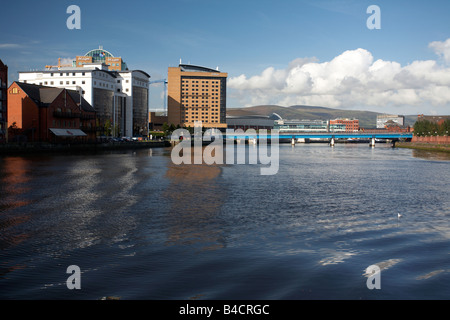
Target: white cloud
x: 67, y: 61
x: 9, y: 45
x: 351, y: 80
x: 442, y: 49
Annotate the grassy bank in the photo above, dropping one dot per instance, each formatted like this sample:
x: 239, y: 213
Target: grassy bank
x: 424, y: 146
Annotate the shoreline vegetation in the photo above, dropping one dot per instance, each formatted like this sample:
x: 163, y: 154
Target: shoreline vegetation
x: 433, y: 147
x: 76, y: 148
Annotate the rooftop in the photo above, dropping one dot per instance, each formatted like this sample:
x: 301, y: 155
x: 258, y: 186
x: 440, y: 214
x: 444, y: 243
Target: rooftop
x: 44, y: 95
x: 192, y: 68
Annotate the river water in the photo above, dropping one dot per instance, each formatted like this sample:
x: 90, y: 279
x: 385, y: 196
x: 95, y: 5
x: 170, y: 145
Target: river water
x: 140, y: 227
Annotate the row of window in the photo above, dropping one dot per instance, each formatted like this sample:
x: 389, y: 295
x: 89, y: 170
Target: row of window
x: 197, y: 117
x: 61, y: 82
x: 197, y: 81
x: 204, y: 108
x: 196, y: 85
x: 192, y: 91
x: 67, y: 74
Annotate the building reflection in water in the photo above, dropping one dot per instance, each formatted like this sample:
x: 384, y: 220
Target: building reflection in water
x: 430, y: 155
x: 196, y: 196
x: 14, y: 174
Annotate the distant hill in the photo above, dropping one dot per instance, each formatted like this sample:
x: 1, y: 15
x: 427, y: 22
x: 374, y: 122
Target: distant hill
x: 367, y: 119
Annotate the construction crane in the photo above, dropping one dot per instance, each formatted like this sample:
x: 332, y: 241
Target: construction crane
x: 58, y: 66
x: 165, y: 92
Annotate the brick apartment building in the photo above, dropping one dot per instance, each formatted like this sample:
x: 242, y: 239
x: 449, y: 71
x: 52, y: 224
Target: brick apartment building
x: 197, y: 94
x: 350, y: 125
x: 47, y: 114
x: 3, y: 101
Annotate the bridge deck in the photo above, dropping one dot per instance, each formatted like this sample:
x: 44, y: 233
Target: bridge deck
x: 325, y: 135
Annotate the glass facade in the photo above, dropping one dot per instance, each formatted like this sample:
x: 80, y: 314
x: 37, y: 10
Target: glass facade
x: 140, y: 111
x: 99, y: 55
x: 301, y: 125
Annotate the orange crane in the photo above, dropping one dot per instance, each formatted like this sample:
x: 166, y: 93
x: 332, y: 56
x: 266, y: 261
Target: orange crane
x: 59, y: 65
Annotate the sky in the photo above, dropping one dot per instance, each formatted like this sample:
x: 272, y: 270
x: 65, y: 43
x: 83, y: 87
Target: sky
x: 284, y: 52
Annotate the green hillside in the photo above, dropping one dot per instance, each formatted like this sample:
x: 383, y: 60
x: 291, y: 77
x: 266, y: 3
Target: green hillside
x: 367, y: 119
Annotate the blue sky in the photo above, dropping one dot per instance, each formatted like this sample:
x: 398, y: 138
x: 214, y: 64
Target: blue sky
x: 244, y: 38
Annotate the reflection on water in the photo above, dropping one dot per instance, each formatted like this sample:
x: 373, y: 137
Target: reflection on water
x: 195, y: 198
x: 141, y: 227
x: 430, y: 155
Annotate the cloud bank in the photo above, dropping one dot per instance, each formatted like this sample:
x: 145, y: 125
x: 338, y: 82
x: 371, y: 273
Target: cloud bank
x: 352, y: 80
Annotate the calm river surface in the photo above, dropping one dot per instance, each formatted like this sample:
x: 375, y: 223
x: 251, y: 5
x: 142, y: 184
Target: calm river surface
x: 140, y: 227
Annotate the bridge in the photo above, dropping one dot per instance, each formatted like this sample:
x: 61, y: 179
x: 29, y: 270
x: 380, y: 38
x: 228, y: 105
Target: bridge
x: 332, y: 136
x: 325, y: 135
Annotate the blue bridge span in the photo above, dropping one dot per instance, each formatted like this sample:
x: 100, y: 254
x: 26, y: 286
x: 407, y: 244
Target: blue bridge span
x: 325, y: 135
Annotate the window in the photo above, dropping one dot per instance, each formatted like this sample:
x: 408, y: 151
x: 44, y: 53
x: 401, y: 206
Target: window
x: 83, y: 82
x: 74, y: 82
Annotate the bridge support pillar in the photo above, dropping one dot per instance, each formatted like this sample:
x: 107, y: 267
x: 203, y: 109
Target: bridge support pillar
x: 372, y: 142
x: 332, y: 142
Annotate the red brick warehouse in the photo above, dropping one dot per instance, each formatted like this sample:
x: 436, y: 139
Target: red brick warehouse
x: 48, y: 114
x: 3, y: 101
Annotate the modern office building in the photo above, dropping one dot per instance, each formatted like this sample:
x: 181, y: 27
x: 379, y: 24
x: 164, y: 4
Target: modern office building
x: 245, y: 122
x: 3, y: 102
x: 48, y: 114
x: 301, y: 125
x: 197, y: 94
x: 385, y: 119
x: 344, y: 125
x: 119, y: 96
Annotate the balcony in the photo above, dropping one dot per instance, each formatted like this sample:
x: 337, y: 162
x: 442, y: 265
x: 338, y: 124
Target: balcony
x: 67, y: 115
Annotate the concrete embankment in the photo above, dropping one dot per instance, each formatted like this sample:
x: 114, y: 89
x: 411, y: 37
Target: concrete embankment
x: 30, y: 148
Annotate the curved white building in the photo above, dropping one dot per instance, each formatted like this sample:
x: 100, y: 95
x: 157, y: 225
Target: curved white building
x: 120, y: 97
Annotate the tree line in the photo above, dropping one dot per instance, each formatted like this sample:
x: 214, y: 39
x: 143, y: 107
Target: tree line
x: 430, y: 128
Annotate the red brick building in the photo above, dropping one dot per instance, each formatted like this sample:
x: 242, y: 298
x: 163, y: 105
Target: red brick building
x: 47, y: 114
x: 3, y: 101
x: 350, y: 125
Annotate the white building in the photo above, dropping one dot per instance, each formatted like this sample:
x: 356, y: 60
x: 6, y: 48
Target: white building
x: 385, y: 119
x: 120, y: 97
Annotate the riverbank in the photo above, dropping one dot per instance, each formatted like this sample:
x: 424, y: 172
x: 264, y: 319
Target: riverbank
x: 424, y: 146
x: 30, y: 148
